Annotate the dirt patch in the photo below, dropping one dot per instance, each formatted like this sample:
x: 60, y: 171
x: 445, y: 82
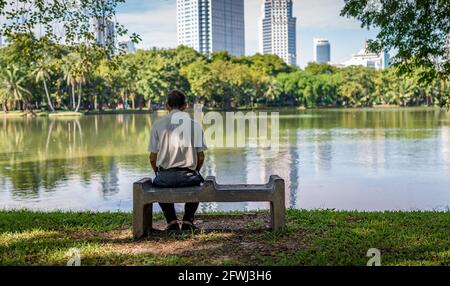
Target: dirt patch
x: 243, y: 239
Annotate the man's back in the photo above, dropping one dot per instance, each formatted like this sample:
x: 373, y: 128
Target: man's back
x: 177, y: 140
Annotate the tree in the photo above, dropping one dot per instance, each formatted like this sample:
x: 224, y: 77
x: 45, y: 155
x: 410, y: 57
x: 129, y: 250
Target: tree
x: 73, y: 17
x: 70, y: 63
x: 13, y: 84
x: 358, y: 86
x: 42, y: 73
x: 416, y: 29
x: 4, y: 97
x: 269, y: 64
x: 318, y: 69
x: 156, y: 78
x: 202, y: 80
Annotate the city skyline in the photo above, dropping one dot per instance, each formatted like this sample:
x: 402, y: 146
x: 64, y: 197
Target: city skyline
x: 156, y: 22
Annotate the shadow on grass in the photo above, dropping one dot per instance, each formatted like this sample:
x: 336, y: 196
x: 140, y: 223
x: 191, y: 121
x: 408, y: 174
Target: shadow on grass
x: 311, y: 238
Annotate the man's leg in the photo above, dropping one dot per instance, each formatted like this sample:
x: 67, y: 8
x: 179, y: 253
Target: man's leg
x: 189, y: 212
x: 169, y: 212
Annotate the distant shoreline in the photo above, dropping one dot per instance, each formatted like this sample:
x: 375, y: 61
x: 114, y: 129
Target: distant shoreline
x: 17, y: 114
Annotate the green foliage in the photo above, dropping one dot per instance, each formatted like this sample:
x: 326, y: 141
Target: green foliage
x: 417, y: 30
x: 58, y: 21
x: 326, y: 86
x: 73, y: 79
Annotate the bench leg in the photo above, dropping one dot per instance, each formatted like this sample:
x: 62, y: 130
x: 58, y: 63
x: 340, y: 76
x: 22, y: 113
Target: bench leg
x: 142, y: 220
x: 278, y: 213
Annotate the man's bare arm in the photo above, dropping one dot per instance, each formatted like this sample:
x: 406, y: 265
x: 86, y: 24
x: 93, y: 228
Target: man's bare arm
x: 200, y: 160
x: 153, y: 158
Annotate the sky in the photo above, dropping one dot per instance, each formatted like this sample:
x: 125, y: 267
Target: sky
x: 155, y: 21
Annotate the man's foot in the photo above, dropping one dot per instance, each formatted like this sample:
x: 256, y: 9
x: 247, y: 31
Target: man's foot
x: 172, y: 227
x: 188, y: 226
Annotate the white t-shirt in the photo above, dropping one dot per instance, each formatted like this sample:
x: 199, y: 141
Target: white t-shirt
x: 177, y: 139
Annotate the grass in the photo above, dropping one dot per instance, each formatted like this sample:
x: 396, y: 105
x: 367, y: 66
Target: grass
x: 64, y: 114
x: 311, y: 238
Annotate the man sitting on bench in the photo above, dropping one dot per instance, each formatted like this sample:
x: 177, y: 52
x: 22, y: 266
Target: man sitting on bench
x: 176, y: 155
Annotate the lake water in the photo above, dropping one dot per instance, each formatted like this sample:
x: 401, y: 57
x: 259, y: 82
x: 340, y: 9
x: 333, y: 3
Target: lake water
x: 390, y: 159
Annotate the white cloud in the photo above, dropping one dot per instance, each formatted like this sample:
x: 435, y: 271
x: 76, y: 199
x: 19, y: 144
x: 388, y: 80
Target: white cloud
x: 157, y: 27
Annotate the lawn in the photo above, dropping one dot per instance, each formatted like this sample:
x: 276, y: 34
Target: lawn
x: 322, y: 237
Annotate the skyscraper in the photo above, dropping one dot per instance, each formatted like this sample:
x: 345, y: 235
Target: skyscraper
x: 278, y: 30
x: 104, y: 32
x: 212, y: 25
x: 2, y: 41
x: 127, y: 46
x: 322, y: 51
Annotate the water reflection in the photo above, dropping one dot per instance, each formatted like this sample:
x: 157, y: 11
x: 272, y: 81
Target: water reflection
x: 343, y: 159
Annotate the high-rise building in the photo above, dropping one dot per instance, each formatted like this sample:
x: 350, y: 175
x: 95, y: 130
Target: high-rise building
x: 127, y: 47
x: 368, y: 59
x: 104, y: 32
x: 2, y: 41
x: 322, y: 51
x: 278, y: 30
x: 212, y: 25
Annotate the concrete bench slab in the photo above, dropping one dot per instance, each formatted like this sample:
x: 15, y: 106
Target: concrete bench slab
x: 145, y: 195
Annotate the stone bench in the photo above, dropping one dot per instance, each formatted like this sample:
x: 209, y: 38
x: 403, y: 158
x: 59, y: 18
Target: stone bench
x: 145, y: 195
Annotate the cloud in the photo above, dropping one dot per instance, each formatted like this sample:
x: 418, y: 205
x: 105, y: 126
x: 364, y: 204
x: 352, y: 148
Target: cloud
x: 157, y: 26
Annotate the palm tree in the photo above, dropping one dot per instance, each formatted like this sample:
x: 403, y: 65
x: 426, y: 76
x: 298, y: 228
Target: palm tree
x: 70, y: 73
x: 81, y: 80
x: 14, y: 85
x: 75, y: 74
x: 42, y: 73
x: 3, y: 97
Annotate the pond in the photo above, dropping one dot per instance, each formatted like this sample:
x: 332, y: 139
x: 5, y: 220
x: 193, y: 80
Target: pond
x: 357, y: 159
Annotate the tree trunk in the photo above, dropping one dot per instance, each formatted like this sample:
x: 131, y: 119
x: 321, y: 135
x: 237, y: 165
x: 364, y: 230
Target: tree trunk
x: 226, y: 104
x: 73, y: 96
x: 5, y: 108
x: 49, y: 101
x: 79, y: 98
x: 133, y: 101
x: 19, y: 105
x: 150, y: 104
x: 29, y: 107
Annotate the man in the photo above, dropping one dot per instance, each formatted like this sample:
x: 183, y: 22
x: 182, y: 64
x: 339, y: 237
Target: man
x: 176, y: 155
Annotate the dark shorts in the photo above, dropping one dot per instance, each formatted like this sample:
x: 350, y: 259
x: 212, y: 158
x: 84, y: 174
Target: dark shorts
x: 177, y: 178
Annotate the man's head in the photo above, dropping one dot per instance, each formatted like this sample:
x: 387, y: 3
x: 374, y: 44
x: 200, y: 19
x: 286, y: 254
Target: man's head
x: 176, y: 100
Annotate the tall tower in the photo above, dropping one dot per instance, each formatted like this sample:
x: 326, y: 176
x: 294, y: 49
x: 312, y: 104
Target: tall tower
x: 212, y: 25
x: 322, y: 51
x: 278, y: 30
x: 104, y: 31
